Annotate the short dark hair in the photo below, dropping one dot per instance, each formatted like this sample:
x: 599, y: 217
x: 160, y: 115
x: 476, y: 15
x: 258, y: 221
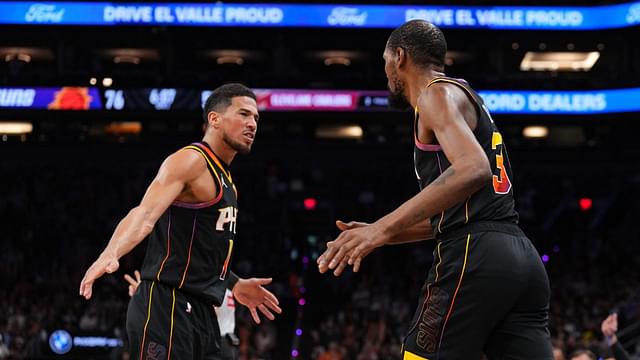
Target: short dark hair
x: 421, y: 40
x: 220, y: 98
x: 577, y: 353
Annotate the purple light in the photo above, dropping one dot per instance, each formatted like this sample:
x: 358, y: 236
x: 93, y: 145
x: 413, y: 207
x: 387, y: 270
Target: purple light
x: 294, y: 353
x: 301, y: 302
x: 556, y: 248
x: 545, y: 258
x: 305, y: 260
x: 298, y: 332
x: 303, y: 290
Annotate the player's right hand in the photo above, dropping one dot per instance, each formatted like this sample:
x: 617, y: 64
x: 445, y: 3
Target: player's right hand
x: 323, y: 264
x: 105, y: 264
x: 133, y: 283
x: 350, y: 225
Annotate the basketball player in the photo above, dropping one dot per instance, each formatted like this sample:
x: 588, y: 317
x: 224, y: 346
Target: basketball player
x: 189, y: 214
x: 225, y: 313
x: 487, y: 291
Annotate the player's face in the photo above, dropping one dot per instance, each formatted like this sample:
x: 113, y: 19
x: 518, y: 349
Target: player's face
x: 397, y: 98
x: 240, y: 123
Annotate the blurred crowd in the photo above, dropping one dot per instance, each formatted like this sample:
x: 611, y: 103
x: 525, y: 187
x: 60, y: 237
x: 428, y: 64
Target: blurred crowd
x: 58, y: 215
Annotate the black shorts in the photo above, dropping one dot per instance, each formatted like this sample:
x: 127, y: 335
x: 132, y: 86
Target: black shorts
x: 487, y: 293
x: 165, y: 323
x: 229, y: 347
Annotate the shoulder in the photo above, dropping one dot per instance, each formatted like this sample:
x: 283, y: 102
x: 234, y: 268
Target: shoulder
x: 442, y: 94
x: 184, y: 164
x: 441, y: 100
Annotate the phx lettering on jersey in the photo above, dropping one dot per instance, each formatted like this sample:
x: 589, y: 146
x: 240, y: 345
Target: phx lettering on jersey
x: 227, y: 215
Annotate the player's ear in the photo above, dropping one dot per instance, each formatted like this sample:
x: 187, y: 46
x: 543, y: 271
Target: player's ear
x: 401, y: 56
x: 214, y: 119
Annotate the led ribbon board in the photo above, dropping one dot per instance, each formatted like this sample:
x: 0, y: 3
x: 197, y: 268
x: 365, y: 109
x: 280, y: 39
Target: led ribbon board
x: 562, y: 102
x: 326, y: 16
x: 176, y: 99
x: 58, y: 98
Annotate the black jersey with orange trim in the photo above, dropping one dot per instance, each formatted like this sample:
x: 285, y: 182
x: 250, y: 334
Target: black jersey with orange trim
x: 190, y: 246
x: 494, y: 202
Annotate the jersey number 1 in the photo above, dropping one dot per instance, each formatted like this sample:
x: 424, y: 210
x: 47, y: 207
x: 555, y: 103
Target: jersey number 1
x: 501, y: 182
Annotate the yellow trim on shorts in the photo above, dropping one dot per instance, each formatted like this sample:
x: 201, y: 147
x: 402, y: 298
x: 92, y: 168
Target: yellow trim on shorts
x: 411, y: 356
x: 173, y: 307
x: 144, y: 333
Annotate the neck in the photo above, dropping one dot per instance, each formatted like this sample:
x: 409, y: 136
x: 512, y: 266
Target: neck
x: 219, y: 146
x: 417, y: 82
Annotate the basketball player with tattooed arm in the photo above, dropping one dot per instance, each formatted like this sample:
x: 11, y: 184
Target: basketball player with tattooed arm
x: 487, y: 291
x: 189, y: 215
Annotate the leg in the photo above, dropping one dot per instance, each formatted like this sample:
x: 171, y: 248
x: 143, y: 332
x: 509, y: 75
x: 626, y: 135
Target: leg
x: 156, y: 323
x: 476, y: 281
x: 228, y: 350
x: 444, y: 326
x: 523, y: 333
x: 209, y: 332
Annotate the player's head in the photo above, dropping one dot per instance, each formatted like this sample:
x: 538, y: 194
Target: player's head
x: 582, y: 355
x: 232, y: 110
x: 416, y: 43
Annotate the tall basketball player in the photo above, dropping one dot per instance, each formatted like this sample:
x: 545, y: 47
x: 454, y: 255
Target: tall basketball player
x: 487, y: 291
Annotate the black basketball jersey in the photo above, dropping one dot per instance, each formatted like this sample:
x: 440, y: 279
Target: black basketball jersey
x: 494, y: 202
x: 190, y: 246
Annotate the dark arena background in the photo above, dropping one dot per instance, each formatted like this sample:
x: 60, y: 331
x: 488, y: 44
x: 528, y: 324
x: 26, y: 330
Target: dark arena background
x: 94, y: 95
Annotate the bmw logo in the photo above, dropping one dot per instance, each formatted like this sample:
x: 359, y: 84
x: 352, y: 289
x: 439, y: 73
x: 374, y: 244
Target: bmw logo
x: 60, y: 342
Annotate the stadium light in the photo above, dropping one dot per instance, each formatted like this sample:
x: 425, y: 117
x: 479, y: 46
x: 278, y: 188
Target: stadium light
x: 310, y: 203
x: 337, y: 60
x: 559, y: 61
x: 339, y: 132
x: 124, y: 127
x: 15, y: 128
x: 585, y: 204
x: 535, y: 132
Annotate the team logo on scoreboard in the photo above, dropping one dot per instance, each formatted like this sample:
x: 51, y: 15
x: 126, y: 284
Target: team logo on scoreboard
x: 71, y: 98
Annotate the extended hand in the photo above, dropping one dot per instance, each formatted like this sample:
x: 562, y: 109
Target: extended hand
x: 105, y: 264
x: 251, y: 293
x: 133, y: 283
x: 355, y: 242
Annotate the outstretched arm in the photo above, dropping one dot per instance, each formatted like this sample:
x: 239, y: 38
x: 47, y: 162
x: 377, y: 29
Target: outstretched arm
x: 176, y: 171
x: 418, y: 232
x: 248, y: 292
x: 441, y: 108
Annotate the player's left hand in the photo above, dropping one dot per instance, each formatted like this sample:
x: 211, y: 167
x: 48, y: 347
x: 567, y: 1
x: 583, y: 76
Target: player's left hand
x: 251, y: 293
x: 355, y: 242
